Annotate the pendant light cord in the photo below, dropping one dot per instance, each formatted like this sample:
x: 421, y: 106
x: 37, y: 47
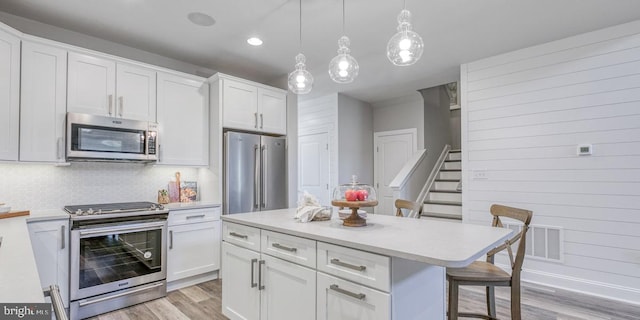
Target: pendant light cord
x: 404, y: 4
x: 343, y: 29
x: 300, y: 24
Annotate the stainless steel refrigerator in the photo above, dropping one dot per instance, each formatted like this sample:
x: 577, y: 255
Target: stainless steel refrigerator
x: 255, y: 176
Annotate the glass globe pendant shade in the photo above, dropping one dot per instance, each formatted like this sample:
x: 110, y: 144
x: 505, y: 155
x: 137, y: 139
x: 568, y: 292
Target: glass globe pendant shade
x: 300, y: 80
x: 405, y: 47
x: 343, y: 68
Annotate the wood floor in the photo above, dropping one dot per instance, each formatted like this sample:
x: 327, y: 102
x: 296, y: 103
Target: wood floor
x: 538, y: 303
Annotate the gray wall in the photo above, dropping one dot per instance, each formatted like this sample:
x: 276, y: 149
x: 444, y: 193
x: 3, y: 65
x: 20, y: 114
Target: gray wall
x: 456, y: 129
x: 400, y: 113
x: 355, y: 146
x: 437, y: 128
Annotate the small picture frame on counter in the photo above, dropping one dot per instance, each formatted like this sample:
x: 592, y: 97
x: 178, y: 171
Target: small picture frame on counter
x: 188, y: 191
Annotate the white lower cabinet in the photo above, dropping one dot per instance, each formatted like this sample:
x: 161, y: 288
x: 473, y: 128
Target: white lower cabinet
x: 258, y: 286
x: 193, y: 246
x: 50, y: 242
x: 341, y: 299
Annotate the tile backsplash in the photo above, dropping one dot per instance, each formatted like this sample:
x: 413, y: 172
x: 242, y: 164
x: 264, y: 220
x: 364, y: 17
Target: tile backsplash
x: 37, y: 186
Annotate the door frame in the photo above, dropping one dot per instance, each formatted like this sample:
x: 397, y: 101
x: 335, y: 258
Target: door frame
x: 380, y: 134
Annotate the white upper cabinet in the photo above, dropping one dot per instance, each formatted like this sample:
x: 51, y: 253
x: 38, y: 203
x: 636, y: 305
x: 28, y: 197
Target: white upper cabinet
x: 9, y: 95
x: 101, y: 86
x: 240, y: 103
x: 136, y: 92
x: 92, y: 85
x: 272, y: 106
x: 183, y: 118
x: 43, y: 103
x: 251, y: 106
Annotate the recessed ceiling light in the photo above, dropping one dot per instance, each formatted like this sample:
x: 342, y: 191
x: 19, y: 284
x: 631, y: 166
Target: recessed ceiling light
x: 201, y: 19
x: 254, y: 41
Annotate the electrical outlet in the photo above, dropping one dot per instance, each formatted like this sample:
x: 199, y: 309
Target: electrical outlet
x: 479, y: 174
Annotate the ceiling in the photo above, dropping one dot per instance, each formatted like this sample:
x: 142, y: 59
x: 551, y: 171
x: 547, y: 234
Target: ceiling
x: 454, y: 32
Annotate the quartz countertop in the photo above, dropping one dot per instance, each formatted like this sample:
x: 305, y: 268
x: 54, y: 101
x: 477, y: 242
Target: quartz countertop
x: 441, y: 243
x: 190, y: 205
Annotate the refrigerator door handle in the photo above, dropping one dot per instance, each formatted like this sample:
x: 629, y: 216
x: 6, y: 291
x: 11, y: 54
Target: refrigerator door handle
x: 256, y: 174
x: 264, y: 176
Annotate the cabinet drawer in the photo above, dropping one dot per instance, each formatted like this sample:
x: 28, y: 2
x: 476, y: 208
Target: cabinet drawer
x: 244, y: 236
x: 290, y: 248
x: 366, y: 268
x: 193, y: 215
x: 341, y: 299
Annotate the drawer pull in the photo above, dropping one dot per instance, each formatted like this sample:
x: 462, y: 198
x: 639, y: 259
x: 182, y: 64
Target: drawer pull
x: 237, y: 235
x: 260, y: 285
x: 200, y: 216
x: 359, y: 296
x: 279, y: 246
x: 347, y: 265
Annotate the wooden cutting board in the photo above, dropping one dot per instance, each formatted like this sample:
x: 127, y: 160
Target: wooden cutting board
x: 12, y: 214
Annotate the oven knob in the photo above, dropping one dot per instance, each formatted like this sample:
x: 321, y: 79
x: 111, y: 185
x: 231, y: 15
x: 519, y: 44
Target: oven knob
x: 79, y: 212
x: 153, y: 207
x: 147, y: 255
x: 160, y: 207
x: 90, y: 211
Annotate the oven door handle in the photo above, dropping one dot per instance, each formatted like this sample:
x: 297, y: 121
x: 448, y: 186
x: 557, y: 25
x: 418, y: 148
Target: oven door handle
x: 135, y: 228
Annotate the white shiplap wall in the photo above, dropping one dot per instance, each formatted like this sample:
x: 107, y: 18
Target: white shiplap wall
x: 524, y: 114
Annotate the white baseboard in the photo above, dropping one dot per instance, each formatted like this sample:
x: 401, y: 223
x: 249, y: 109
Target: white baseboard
x: 583, y: 286
x: 190, y: 281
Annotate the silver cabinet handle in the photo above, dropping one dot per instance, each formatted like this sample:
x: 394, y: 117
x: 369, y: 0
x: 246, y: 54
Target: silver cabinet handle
x: 260, y: 285
x: 359, y: 296
x: 253, y: 263
x: 56, y: 300
x: 200, y: 216
x: 159, y: 154
x: 256, y: 118
x: 237, y: 235
x: 347, y: 265
x: 261, y: 121
x: 170, y: 239
x: 110, y: 104
x: 279, y: 246
x: 60, y: 150
x: 63, y: 237
x: 121, y: 100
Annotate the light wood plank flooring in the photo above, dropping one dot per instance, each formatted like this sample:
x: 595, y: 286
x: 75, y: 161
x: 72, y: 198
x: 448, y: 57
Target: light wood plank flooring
x: 203, y: 301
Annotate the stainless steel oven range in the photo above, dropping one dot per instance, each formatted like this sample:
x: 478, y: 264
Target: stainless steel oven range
x: 118, y: 256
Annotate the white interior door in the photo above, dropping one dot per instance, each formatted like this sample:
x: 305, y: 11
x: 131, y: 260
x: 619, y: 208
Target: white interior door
x: 393, y: 149
x: 313, y: 166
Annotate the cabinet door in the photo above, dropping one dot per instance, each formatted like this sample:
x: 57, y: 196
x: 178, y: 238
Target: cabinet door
x: 9, y: 95
x: 136, y: 90
x: 272, y: 107
x: 241, y: 298
x: 92, y: 85
x: 183, y: 119
x: 341, y: 299
x: 50, y: 242
x: 239, y: 105
x: 43, y: 103
x: 193, y: 249
x: 289, y: 290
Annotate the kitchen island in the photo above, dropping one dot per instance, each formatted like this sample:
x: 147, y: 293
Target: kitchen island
x: 274, y: 267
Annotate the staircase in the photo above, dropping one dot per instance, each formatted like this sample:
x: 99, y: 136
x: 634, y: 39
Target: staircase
x: 444, y: 199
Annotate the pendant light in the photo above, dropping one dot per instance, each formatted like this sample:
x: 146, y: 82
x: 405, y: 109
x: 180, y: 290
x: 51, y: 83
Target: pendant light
x: 406, y: 46
x: 343, y: 68
x: 300, y: 80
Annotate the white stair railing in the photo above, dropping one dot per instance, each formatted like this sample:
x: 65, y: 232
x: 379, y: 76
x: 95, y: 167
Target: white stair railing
x: 409, y: 180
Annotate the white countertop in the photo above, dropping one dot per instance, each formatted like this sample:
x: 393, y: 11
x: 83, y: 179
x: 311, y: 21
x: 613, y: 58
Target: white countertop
x: 439, y: 243
x: 190, y: 205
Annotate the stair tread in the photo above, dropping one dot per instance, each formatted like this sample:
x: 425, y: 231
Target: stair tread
x: 443, y: 202
x: 442, y: 215
x: 450, y: 170
x: 455, y: 151
x: 447, y: 180
x: 445, y: 191
x: 453, y: 161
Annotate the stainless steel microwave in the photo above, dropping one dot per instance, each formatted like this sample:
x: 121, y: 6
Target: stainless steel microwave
x: 98, y: 138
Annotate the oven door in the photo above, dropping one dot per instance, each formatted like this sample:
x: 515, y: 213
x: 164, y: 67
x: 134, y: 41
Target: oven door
x: 116, y: 256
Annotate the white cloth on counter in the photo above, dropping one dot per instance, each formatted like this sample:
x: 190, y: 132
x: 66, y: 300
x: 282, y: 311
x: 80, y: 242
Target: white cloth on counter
x: 309, y: 209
